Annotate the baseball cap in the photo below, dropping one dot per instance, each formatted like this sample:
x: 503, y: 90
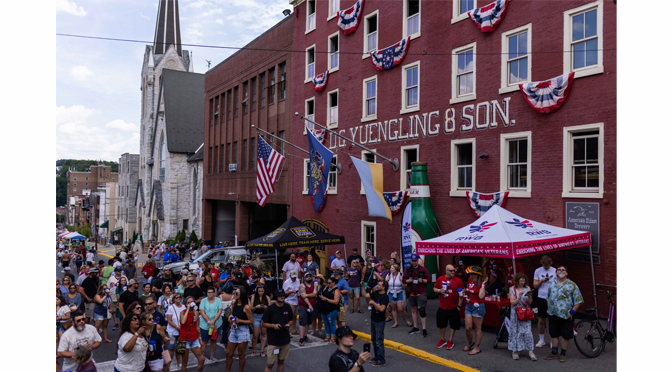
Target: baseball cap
x: 117, y: 268
x: 279, y: 293
x: 166, y: 268
x: 414, y: 257
x: 306, y: 274
x: 184, y: 272
x: 354, y: 248
x: 343, y: 331
x: 93, y: 270
x: 338, y: 272
x: 67, y: 268
x: 132, y: 281
x: 239, y: 276
x: 293, y: 274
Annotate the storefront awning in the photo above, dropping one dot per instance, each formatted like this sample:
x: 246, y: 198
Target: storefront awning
x: 105, y: 224
x: 118, y: 229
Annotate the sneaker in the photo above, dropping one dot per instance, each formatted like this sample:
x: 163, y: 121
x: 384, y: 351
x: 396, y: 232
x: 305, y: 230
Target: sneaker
x: 515, y: 356
x: 449, y: 345
x: 424, y: 333
x: 541, y: 343
x: 378, y: 364
x: 413, y: 331
x: 441, y: 343
x: 532, y: 356
x: 116, y: 327
x: 551, y: 356
x: 562, y: 358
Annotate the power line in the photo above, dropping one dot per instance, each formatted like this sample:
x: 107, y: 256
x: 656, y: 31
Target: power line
x: 304, y: 51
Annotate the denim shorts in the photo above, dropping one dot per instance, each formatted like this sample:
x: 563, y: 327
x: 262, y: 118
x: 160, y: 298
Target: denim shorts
x: 256, y: 319
x: 476, y: 312
x: 240, y: 334
x: 305, y: 317
x: 355, y: 290
x: 193, y: 344
x: 173, y: 341
x: 400, y: 297
x: 99, y: 317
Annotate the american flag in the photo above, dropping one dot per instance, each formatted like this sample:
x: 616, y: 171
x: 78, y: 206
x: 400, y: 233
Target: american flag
x: 395, y: 200
x: 269, y: 162
x: 547, y: 96
x: 320, y: 81
x: 488, y: 17
x: 391, y: 56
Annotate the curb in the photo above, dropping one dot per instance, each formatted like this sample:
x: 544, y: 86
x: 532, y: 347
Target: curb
x: 419, y: 353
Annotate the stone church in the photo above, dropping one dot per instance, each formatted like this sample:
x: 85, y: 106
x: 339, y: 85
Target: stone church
x: 169, y: 193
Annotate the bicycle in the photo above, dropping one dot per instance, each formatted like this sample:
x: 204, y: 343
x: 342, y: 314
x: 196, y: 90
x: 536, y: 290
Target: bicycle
x: 590, y: 336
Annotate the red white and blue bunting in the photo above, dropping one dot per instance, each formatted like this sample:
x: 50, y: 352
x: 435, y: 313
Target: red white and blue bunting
x: 481, y: 203
x: 348, y: 19
x: 488, y: 17
x: 319, y: 134
x: 320, y: 81
x: 547, y: 96
x: 391, y: 56
x: 395, y: 200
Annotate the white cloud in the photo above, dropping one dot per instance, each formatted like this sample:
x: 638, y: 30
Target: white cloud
x: 70, y: 7
x: 219, y: 21
x: 196, y: 4
x: 74, y: 114
x: 122, y: 125
x: 211, y: 12
x: 81, y: 73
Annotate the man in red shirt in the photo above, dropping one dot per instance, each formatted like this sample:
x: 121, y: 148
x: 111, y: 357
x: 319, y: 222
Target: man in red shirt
x: 416, y: 278
x: 450, y: 289
x: 148, y: 269
x: 509, y: 272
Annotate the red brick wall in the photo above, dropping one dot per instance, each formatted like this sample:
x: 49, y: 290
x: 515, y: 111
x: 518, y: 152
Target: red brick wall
x: 592, y: 100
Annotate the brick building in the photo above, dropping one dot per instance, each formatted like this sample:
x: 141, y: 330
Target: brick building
x: 78, y: 182
x: 453, y: 102
x: 251, y: 87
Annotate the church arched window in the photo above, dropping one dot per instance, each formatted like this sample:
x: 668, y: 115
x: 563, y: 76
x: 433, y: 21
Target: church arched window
x: 163, y: 153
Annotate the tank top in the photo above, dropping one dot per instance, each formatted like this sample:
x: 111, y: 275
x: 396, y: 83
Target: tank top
x: 355, y: 277
x: 256, y: 301
x: 326, y: 306
x: 309, y: 290
x: 394, y: 283
x: 101, y: 309
x: 205, y: 285
x: 238, y: 312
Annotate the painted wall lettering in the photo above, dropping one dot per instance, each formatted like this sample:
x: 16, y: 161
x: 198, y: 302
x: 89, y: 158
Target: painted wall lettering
x: 468, y: 118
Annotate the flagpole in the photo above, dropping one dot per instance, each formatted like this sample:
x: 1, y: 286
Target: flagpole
x: 395, y: 162
x: 337, y: 166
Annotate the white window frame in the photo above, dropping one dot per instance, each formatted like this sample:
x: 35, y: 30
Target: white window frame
x: 306, y: 165
x: 331, y: 125
x: 364, y: 105
x: 308, y: 29
x: 363, y: 238
x: 333, y: 12
x: 567, y: 45
x: 305, y: 113
x: 404, y: 108
x: 470, y: 97
x: 457, y: 17
x: 505, y: 87
x: 504, y: 139
x: 402, y: 164
x: 364, y: 152
x: 334, y: 69
x: 454, y: 191
x: 333, y: 190
x: 366, y: 53
x: 405, y: 20
x: 309, y: 79
x: 568, y: 188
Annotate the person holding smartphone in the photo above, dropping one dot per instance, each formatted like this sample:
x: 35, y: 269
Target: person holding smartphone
x: 416, y: 278
x: 345, y: 358
x: 378, y: 300
x: 277, y: 319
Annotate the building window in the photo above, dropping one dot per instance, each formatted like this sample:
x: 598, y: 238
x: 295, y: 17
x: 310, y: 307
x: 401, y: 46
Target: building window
x: 87, y: 178
x: 334, y: 7
x: 463, y: 166
x: 228, y: 154
x: 370, y: 93
x: 310, y: 15
x: 75, y: 178
x: 332, y: 109
x: 235, y: 102
x: 368, y: 237
x: 409, y: 155
x: 210, y: 113
x: 332, y: 182
x: 461, y: 9
x: 222, y: 163
x: 333, y: 52
x: 310, y: 63
x: 210, y: 160
x: 244, y: 157
x: 369, y: 158
x: 412, y: 18
x: 235, y: 152
x: 306, y: 178
x: 281, y: 135
x: 253, y: 83
x: 370, y: 33
x: 516, y: 58
x: 583, y: 37
x: 75, y: 189
x: 262, y: 89
x: 216, y: 157
x: 271, y: 86
x: 228, y: 104
x: 216, y: 113
x: 310, y: 114
x: 245, y: 96
x: 163, y: 154
x: 75, y: 184
x: 464, y: 74
x: 515, y: 154
x: 283, y: 80
x: 253, y: 154
x: 410, y: 87
x: 584, y: 161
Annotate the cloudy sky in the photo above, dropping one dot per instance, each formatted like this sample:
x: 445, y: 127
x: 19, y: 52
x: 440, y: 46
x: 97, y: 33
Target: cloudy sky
x: 98, y: 82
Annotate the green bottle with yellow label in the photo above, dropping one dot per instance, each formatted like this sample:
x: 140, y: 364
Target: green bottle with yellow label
x: 424, y: 224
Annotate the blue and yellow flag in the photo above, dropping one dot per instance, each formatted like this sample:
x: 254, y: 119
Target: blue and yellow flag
x: 320, y: 163
x: 372, y: 179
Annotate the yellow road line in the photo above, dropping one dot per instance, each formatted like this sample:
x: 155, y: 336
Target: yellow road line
x: 107, y: 255
x: 419, y: 353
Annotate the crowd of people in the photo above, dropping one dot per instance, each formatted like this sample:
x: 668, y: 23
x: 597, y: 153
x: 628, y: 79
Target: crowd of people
x: 162, y: 318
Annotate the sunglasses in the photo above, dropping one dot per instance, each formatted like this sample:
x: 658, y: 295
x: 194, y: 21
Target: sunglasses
x: 148, y: 303
x: 452, y: 271
x: 138, y: 308
x: 560, y: 270
x: 134, y: 319
x: 80, y: 320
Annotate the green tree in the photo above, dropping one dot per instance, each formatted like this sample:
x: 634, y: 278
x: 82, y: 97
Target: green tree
x: 135, y: 236
x: 192, y: 237
x: 60, y: 218
x: 85, y: 230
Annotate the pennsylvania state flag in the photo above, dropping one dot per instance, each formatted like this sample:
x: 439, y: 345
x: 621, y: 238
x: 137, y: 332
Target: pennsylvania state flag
x: 372, y: 180
x: 320, y: 163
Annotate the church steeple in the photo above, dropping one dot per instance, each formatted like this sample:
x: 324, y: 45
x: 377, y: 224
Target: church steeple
x: 167, y: 27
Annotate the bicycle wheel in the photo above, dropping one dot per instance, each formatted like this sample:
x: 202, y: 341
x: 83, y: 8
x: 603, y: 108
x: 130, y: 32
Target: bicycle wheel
x: 588, y: 338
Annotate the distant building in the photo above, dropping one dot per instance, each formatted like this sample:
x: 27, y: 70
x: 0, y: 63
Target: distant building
x: 91, y: 179
x: 127, y: 188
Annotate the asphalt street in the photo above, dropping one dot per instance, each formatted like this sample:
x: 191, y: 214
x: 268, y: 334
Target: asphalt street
x: 314, y: 356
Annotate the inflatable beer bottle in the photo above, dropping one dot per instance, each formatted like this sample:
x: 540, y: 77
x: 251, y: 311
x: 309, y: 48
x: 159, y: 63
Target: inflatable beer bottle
x: 423, y: 220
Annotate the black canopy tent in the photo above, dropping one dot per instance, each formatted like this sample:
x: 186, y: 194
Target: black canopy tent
x: 292, y: 234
